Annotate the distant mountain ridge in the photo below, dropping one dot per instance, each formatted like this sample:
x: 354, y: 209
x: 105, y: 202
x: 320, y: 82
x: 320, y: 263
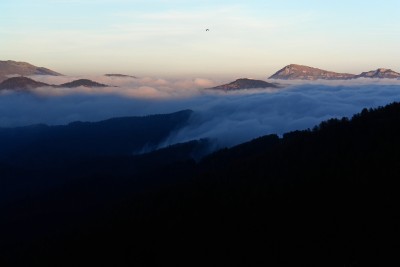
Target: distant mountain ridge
x: 79, y: 140
x: 380, y: 73
x: 82, y: 82
x: 301, y: 72
x: 25, y: 83
x: 17, y: 83
x: 244, y: 83
x: 10, y: 67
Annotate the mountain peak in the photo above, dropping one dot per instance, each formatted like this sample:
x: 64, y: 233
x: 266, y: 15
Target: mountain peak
x: 383, y: 69
x: 245, y: 83
x: 380, y: 73
x: 301, y: 72
x: 83, y: 82
x: 18, y: 83
x: 11, y: 67
x: 25, y: 83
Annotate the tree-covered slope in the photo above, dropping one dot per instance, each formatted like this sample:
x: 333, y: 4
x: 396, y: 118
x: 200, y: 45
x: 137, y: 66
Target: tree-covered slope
x: 321, y: 197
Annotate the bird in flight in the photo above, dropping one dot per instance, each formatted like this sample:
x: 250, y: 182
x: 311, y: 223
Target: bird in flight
x: 207, y: 30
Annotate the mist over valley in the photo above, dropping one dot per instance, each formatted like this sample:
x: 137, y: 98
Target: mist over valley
x: 228, y: 117
x: 138, y: 162
x: 199, y: 133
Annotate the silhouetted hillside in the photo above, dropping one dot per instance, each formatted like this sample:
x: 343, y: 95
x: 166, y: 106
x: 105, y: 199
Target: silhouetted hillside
x: 24, y: 83
x: 10, y: 67
x: 46, y: 152
x: 244, y: 83
x: 20, y: 83
x: 82, y: 82
x: 79, y: 140
x: 326, y: 196
x: 323, y: 196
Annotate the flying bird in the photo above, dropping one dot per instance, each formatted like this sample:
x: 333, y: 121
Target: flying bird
x: 207, y: 30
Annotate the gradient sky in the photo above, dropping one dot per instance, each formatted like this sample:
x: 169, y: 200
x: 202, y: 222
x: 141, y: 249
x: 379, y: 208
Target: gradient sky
x: 168, y: 38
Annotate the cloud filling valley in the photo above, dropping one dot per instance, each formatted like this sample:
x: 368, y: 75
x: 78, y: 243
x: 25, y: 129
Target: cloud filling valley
x: 229, y: 118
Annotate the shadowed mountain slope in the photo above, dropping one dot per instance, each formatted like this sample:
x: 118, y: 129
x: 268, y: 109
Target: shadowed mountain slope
x: 11, y: 67
x: 24, y: 83
x: 82, y: 82
x: 245, y: 83
x: 20, y: 83
x: 42, y: 144
x: 326, y: 196
x: 38, y: 157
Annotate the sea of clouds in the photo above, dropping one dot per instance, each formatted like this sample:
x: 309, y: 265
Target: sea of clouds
x: 229, y: 118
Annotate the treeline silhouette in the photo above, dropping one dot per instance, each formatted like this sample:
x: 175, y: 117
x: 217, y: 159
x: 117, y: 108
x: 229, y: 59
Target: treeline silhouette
x: 326, y: 196
x: 42, y: 144
x: 37, y: 157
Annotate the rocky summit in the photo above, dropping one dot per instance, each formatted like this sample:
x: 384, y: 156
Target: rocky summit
x: 300, y: 72
x: 380, y: 73
x: 245, y: 83
x: 10, y: 67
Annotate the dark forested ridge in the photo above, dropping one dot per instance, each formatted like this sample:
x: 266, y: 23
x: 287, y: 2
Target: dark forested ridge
x: 321, y: 197
x: 26, y: 84
x: 82, y: 82
x: 21, y: 83
x: 38, y: 156
x: 35, y: 144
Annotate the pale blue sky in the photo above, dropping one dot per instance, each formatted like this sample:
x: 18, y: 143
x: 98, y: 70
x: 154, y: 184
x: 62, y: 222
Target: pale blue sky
x: 168, y: 38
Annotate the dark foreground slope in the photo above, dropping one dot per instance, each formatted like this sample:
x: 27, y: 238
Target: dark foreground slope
x: 37, y: 144
x: 40, y: 156
x: 322, y: 197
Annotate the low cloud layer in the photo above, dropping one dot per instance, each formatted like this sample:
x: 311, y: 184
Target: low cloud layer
x: 143, y: 88
x: 234, y: 119
x: 227, y: 118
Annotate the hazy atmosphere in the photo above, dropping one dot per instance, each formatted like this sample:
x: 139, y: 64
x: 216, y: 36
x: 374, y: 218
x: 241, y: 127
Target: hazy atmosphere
x: 227, y: 117
x: 169, y: 38
x: 199, y: 133
x: 174, y: 50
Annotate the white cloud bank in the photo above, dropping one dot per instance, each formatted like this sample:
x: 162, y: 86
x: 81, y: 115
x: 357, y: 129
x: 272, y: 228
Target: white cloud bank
x: 228, y: 118
x: 143, y: 88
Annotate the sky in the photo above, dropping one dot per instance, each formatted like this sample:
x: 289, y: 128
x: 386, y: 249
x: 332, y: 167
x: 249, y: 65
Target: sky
x: 163, y: 38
